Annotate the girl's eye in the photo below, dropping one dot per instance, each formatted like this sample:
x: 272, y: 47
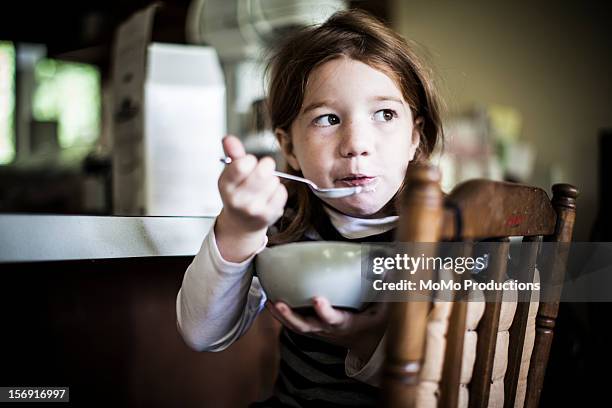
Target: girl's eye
x: 327, y: 120
x: 385, y: 115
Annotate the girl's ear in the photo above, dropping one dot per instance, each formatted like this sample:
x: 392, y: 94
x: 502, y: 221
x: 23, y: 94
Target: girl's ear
x: 417, y: 131
x: 284, y: 141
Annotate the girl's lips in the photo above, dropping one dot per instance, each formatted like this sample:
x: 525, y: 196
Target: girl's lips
x: 364, y: 181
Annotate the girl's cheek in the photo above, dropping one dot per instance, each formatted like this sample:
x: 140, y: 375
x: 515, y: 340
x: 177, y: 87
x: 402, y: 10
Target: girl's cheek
x: 391, y: 126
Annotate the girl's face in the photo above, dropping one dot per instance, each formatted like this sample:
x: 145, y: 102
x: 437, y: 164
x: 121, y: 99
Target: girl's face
x: 354, y: 128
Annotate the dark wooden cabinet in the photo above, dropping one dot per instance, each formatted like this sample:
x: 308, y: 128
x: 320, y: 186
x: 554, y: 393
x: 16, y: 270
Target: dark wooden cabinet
x: 107, y: 329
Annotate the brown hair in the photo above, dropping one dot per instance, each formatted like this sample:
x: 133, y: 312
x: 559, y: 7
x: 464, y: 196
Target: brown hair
x: 357, y: 35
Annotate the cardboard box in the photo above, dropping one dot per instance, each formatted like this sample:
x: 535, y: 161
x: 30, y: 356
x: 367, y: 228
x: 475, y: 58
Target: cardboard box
x: 168, y: 122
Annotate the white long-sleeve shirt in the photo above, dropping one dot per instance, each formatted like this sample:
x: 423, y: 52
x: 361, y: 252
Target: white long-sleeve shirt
x: 219, y: 300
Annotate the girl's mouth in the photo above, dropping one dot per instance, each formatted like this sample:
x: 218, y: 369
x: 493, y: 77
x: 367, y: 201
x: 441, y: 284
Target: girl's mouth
x: 358, y: 180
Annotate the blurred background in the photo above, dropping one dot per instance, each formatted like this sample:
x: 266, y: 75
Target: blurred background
x: 118, y: 108
x: 527, y: 91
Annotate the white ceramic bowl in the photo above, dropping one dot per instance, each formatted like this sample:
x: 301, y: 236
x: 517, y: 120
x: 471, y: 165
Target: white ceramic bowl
x: 296, y: 272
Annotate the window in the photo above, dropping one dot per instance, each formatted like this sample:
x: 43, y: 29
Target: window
x: 68, y: 93
x: 7, y: 102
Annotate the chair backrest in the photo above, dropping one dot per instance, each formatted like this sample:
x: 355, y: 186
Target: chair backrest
x: 473, y: 211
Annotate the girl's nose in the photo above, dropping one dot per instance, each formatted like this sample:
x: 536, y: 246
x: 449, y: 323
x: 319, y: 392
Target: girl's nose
x: 355, y: 141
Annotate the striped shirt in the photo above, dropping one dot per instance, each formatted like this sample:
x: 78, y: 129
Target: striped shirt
x: 312, y: 372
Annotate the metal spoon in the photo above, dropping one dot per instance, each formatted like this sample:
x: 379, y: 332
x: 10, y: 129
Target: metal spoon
x: 320, y: 192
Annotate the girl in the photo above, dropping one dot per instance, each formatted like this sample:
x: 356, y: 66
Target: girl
x: 350, y: 104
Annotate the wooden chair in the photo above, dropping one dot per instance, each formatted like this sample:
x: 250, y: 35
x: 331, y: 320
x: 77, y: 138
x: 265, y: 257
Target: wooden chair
x: 475, y: 210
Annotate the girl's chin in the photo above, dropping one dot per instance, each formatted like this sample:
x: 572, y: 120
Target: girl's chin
x: 359, y: 208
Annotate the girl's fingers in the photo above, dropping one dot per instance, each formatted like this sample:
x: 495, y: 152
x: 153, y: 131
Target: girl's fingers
x: 247, y: 186
x: 278, y: 201
x: 279, y: 197
x: 279, y: 316
x: 296, y: 322
x: 232, y: 146
x: 252, y: 196
x: 333, y: 325
x: 260, y: 191
x: 276, y: 314
x: 250, y: 181
x: 328, y: 314
x: 236, y: 172
x: 260, y: 176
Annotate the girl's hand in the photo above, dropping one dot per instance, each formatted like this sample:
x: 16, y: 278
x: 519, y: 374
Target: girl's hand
x: 360, y: 332
x: 253, y: 199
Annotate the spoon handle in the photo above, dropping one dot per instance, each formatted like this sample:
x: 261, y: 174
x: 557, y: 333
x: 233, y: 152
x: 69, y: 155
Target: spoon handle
x: 228, y: 160
x: 295, y: 178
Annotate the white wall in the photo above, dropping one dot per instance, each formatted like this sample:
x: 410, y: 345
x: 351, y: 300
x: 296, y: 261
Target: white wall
x: 551, y: 61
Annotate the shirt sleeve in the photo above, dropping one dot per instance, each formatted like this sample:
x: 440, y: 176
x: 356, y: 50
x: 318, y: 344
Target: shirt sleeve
x: 218, y: 300
x: 368, y: 371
